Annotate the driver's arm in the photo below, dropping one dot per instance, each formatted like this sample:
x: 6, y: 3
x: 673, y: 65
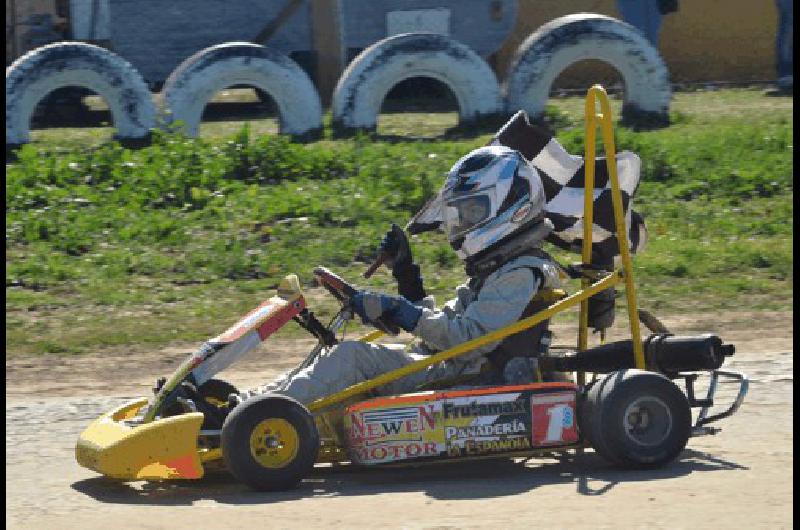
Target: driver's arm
x: 500, y: 302
x: 409, y: 280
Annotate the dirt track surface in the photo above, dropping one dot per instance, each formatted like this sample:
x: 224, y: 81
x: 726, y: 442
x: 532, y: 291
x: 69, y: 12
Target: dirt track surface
x: 740, y: 478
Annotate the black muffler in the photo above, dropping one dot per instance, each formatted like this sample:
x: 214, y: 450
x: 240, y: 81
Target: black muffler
x: 664, y: 353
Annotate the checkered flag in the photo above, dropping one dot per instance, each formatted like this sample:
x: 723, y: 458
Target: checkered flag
x: 563, y: 176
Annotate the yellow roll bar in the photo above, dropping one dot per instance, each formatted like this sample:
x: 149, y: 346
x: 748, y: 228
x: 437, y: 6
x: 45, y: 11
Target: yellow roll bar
x: 596, y: 93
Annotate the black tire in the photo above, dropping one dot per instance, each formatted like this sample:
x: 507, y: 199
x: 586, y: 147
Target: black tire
x: 245, y: 422
x: 216, y: 391
x: 210, y: 398
x: 636, y: 419
x: 214, y: 394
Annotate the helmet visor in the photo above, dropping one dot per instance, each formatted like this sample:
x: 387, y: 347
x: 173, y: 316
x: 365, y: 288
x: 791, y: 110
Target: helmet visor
x: 463, y: 214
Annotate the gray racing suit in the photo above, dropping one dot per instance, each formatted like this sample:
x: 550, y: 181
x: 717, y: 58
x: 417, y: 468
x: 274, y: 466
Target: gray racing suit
x: 500, y: 301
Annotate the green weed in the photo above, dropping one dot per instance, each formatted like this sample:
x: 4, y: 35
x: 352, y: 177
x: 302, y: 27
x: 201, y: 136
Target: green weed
x: 193, y: 231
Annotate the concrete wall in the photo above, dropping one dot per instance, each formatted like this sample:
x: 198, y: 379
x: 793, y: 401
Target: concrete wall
x: 482, y: 25
x: 721, y: 40
x: 706, y: 40
x: 156, y: 35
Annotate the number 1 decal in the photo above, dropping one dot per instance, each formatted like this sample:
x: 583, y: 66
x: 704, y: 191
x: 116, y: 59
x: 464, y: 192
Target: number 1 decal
x: 553, y: 417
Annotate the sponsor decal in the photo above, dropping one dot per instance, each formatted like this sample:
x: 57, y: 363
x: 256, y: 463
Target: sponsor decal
x: 477, y: 431
x: 483, y: 447
x: 520, y: 214
x: 477, y: 408
x: 461, y: 426
x: 553, y: 417
x: 387, y: 452
x: 402, y: 424
x: 488, y: 424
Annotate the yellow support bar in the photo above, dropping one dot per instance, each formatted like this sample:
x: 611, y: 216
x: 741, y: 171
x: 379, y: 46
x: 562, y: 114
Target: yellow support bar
x: 588, y: 218
x: 375, y: 335
x: 595, y: 94
x: 209, y: 455
x: 609, y: 281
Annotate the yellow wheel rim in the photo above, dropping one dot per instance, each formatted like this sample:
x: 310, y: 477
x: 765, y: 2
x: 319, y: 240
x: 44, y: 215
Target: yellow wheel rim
x: 215, y: 402
x: 274, y: 443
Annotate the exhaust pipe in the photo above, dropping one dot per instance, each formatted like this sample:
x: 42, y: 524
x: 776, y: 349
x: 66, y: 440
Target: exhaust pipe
x: 664, y: 353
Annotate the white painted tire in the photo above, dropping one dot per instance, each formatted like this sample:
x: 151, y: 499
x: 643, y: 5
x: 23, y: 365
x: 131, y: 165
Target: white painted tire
x: 194, y: 82
x: 572, y: 38
x: 63, y: 64
x: 364, y: 84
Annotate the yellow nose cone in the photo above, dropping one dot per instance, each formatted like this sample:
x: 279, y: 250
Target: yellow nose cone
x: 162, y: 449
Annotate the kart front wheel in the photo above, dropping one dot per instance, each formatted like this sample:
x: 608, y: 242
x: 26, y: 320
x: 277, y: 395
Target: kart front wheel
x: 636, y: 419
x: 270, y: 442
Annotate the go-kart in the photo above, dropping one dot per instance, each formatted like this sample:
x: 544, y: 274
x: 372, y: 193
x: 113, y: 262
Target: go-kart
x: 632, y: 413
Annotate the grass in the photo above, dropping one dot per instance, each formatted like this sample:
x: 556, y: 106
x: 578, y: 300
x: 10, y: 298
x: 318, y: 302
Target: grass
x: 108, y: 247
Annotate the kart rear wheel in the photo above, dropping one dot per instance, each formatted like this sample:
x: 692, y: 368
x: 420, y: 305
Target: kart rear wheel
x: 270, y: 442
x: 210, y: 398
x: 214, y: 394
x: 216, y: 391
x: 636, y: 419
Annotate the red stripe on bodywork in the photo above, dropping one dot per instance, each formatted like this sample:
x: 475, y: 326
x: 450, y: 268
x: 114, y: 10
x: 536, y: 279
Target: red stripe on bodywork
x: 186, y: 466
x: 281, y: 317
x: 512, y: 388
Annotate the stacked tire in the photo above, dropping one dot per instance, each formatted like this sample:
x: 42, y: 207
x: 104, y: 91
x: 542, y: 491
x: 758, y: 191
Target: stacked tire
x: 75, y: 64
x: 194, y: 82
x: 362, y: 87
x: 365, y: 83
x: 186, y: 92
x: 573, y: 38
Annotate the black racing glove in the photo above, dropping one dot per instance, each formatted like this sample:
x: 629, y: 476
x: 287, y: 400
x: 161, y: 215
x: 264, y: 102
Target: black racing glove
x: 602, y: 304
x: 405, y: 271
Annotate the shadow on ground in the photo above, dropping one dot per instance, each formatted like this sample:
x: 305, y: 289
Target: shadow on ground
x: 454, y: 481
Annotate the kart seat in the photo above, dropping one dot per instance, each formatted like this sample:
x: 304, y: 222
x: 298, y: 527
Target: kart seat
x: 527, y: 343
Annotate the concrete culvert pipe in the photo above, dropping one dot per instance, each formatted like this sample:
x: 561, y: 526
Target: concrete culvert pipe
x: 572, y: 38
x: 194, y: 82
x: 364, y: 84
x: 75, y: 64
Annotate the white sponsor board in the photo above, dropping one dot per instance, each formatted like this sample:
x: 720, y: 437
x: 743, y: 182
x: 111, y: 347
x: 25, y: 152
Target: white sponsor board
x: 418, y: 20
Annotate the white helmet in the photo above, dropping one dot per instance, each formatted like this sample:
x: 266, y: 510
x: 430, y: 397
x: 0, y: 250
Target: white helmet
x: 489, y: 194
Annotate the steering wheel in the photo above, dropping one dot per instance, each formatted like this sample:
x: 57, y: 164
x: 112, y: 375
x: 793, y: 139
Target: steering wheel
x: 344, y: 292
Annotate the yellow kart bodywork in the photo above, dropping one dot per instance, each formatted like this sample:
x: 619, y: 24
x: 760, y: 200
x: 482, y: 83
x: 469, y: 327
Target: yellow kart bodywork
x: 162, y: 449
